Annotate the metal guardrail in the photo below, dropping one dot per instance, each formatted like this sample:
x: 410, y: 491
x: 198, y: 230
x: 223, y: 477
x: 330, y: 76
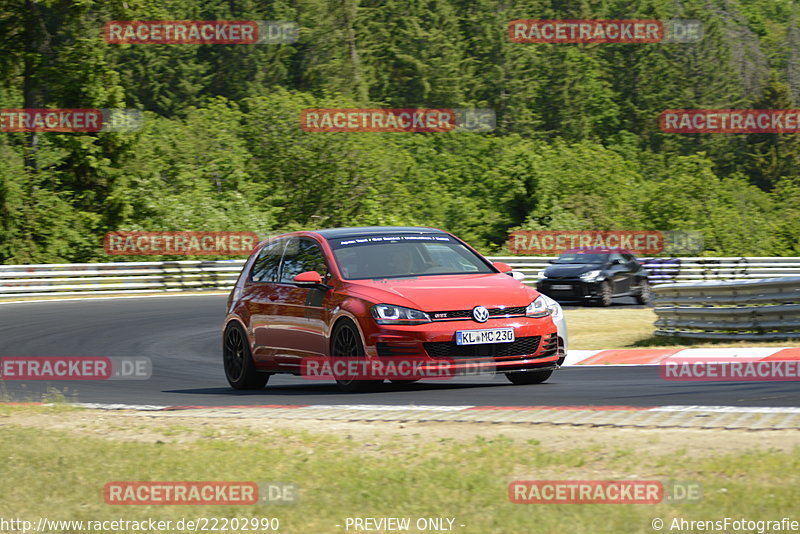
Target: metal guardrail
x: 71, y: 279
x: 766, y: 309
x: 217, y: 275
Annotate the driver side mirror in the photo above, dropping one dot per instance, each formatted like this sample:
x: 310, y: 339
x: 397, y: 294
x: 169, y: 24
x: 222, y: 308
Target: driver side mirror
x: 502, y: 267
x: 309, y: 279
x: 616, y: 262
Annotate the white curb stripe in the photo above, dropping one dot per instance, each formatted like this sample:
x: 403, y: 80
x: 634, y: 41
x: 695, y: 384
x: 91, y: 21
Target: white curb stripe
x: 726, y: 409
x: 102, y: 406
x: 389, y: 407
x: 435, y: 408
x: 706, y: 355
x: 574, y: 357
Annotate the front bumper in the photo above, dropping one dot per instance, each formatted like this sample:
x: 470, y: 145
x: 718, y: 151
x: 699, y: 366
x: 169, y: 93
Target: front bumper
x: 536, y: 345
x: 578, y: 289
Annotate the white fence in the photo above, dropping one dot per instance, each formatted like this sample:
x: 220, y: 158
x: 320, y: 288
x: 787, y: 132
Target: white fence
x: 766, y: 309
x: 70, y: 279
x: 174, y: 276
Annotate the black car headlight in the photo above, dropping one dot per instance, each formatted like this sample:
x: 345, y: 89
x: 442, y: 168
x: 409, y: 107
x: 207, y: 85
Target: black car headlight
x: 591, y: 276
x: 390, y: 314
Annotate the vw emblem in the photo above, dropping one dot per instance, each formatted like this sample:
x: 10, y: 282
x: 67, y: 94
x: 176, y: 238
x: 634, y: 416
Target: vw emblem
x: 480, y: 314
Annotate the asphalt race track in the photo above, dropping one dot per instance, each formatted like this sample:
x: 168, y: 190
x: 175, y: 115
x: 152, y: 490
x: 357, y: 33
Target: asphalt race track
x: 181, y: 335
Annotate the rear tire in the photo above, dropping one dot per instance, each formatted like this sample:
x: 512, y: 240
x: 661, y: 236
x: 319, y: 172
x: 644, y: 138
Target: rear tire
x: 528, y: 377
x: 238, y: 362
x: 346, y: 342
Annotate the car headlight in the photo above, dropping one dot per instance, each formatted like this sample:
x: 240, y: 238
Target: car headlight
x: 537, y: 308
x: 553, y: 307
x: 591, y: 276
x: 389, y: 314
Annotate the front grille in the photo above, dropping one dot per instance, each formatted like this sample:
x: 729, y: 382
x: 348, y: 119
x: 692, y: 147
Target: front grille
x: 522, y: 346
x: 577, y: 290
x: 467, y: 314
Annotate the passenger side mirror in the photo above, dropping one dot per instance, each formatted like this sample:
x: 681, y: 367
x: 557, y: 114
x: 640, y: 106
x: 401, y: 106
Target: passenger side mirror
x: 308, y: 279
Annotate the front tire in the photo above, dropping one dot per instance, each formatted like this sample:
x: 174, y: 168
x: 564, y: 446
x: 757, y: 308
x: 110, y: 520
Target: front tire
x: 645, y: 295
x: 528, y: 377
x: 346, y: 342
x: 238, y: 362
x: 605, y: 296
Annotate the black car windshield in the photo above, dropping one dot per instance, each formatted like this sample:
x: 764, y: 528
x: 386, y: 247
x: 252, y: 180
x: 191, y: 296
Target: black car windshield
x: 395, y: 256
x: 582, y: 258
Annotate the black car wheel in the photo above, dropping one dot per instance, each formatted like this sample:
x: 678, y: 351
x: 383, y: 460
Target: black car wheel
x: 645, y: 295
x: 528, y: 377
x: 605, y: 295
x: 238, y: 362
x: 345, y: 342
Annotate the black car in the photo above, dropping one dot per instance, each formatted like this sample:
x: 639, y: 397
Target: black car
x: 596, y: 276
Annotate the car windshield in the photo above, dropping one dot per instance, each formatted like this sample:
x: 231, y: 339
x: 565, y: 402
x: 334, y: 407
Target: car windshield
x: 582, y: 258
x: 395, y: 256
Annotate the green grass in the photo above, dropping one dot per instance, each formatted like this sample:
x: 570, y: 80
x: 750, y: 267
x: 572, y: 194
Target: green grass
x: 61, y: 475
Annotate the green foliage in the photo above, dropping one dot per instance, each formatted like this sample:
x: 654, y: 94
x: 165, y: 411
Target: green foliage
x: 577, y: 144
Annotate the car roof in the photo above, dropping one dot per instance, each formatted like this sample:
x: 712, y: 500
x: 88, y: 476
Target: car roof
x: 597, y: 250
x: 333, y: 233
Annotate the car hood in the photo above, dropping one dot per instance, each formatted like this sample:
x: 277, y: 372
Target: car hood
x: 446, y: 293
x: 569, y: 270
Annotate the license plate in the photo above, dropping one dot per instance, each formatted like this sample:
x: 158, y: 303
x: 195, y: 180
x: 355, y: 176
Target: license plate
x: 561, y: 287
x: 478, y: 337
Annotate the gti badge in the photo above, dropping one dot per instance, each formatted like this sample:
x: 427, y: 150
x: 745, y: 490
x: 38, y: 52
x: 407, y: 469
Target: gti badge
x: 480, y: 314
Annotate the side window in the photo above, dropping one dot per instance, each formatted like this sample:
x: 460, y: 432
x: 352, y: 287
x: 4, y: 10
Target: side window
x: 265, y: 268
x: 302, y: 254
x: 630, y: 261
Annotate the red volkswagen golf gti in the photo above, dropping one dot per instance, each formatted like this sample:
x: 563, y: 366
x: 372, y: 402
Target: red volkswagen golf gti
x: 377, y: 294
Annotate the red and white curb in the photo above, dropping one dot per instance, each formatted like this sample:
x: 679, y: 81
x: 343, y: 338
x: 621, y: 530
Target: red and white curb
x: 662, y: 356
